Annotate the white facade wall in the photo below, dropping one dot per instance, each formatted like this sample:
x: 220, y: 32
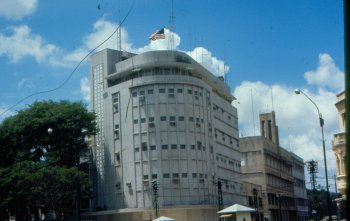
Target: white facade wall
x: 165, y: 119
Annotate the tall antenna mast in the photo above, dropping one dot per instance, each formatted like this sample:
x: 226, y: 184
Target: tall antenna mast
x: 251, y: 97
x: 119, y: 34
x: 272, y: 99
x: 171, y: 27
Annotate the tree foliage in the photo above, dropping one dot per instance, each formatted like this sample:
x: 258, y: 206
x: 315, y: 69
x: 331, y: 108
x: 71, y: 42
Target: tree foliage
x: 38, y: 169
x: 318, y: 202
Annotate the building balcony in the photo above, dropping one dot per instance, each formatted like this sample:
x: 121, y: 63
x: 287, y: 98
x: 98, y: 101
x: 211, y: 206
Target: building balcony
x: 278, y: 173
x: 339, y: 140
x: 341, y: 184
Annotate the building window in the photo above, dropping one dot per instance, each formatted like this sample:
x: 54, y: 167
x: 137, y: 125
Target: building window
x: 151, y: 119
x: 134, y: 94
x: 150, y: 91
x: 164, y: 147
x: 163, y: 118
x: 161, y: 90
x: 116, y: 134
x: 166, y: 175
x: 181, y: 118
x: 171, y: 90
x: 145, y: 177
x: 144, y: 146
x: 172, y: 118
x: 153, y: 147
x: 182, y: 146
x: 194, y: 175
x: 142, y: 92
x: 117, y: 157
x: 184, y: 175
x: 190, y: 119
x: 192, y: 147
x: 116, y: 108
x: 173, y: 146
x: 136, y: 121
x: 154, y: 176
x: 143, y: 120
x: 175, y: 175
x: 179, y: 90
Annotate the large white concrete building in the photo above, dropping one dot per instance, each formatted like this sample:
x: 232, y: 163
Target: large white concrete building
x: 162, y: 117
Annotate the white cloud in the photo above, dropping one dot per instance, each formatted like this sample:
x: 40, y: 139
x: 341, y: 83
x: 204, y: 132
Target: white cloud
x: 24, y: 83
x: 296, y: 117
x: 17, y: 9
x: 205, y: 57
x: 171, y: 38
x: 327, y: 74
x: 23, y: 43
x: 104, y: 28
x: 85, y: 88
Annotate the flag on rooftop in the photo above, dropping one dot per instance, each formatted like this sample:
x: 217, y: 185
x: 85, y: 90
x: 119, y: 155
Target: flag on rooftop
x: 157, y: 35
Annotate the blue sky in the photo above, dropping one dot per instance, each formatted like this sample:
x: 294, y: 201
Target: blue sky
x: 261, y: 46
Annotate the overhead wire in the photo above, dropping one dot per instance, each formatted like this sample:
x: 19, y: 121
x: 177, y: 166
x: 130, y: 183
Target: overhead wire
x: 74, y: 70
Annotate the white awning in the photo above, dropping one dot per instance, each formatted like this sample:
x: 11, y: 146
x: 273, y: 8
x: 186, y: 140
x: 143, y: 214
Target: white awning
x: 236, y: 208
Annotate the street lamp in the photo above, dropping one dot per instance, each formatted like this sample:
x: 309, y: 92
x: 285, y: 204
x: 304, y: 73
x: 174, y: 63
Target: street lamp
x: 297, y: 91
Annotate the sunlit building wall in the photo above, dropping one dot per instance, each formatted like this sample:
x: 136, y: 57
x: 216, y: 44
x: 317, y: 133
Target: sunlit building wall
x: 163, y: 118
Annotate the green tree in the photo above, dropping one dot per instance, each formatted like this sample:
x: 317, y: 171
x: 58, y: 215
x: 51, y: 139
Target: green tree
x: 41, y: 169
x: 318, y: 202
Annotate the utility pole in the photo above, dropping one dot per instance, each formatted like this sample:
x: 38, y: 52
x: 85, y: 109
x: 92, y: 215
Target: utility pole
x: 220, y: 200
x: 256, y: 204
x: 155, y: 199
x: 312, y: 168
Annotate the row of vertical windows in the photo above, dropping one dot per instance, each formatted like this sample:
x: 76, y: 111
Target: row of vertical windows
x: 163, y: 90
x: 185, y: 175
x: 171, y: 118
x: 144, y: 147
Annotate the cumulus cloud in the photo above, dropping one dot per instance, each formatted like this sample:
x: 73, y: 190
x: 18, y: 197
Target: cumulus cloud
x: 327, y: 74
x: 104, y: 28
x: 24, y: 83
x: 22, y: 43
x: 85, y: 88
x: 205, y: 57
x: 17, y: 9
x: 296, y: 117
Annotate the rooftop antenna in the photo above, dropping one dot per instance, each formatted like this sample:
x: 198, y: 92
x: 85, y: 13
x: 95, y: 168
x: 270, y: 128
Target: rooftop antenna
x: 119, y: 34
x: 251, y: 98
x: 171, y: 27
x: 272, y: 98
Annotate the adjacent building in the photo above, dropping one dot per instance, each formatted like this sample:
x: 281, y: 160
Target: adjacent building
x: 279, y: 172
x: 168, y: 138
x: 339, y: 149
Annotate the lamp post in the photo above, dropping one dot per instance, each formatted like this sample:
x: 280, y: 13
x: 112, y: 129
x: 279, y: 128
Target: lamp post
x: 297, y: 91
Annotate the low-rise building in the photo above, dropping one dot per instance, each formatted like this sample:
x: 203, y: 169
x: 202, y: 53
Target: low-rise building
x: 278, y: 172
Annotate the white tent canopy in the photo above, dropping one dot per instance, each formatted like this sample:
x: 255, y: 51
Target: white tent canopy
x: 236, y: 208
x: 163, y: 218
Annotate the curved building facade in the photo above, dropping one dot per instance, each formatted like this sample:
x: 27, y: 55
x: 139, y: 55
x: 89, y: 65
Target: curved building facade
x: 168, y: 136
